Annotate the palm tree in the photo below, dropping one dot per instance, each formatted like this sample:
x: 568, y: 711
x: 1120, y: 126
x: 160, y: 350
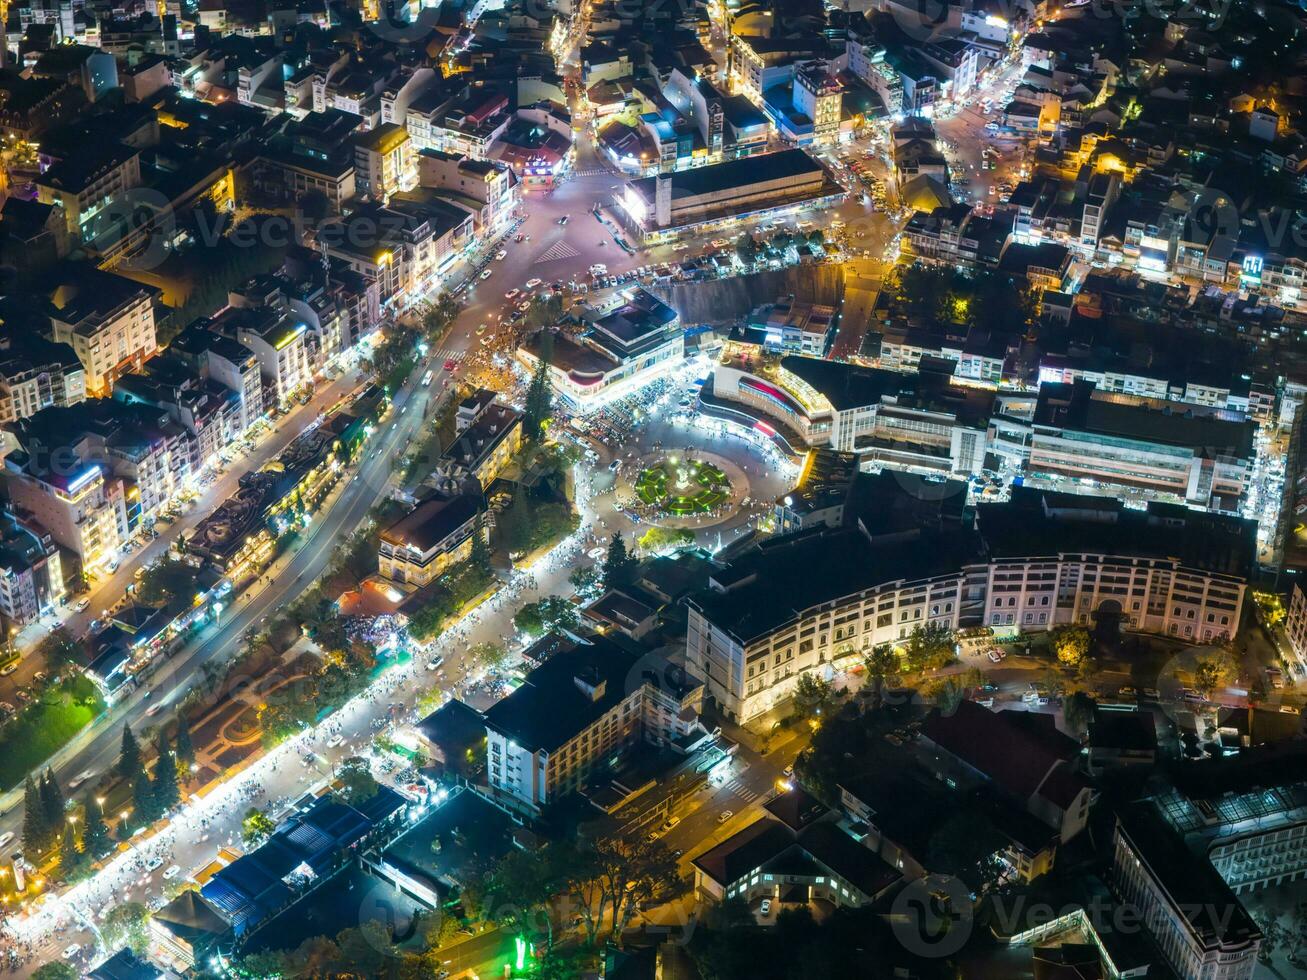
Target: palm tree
x: 882, y: 668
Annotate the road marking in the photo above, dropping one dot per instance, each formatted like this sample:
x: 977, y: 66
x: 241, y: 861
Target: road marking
x: 450, y: 355
x: 556, y: 252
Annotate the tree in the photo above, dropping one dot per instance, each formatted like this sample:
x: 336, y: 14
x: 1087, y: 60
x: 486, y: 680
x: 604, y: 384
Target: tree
x: 619, y: 566
x: 256, y: 828
x: 167, y: 794
x: 58, y: 650
x: 164, y: 582
x: 1078, y: 712
x: 811, y: 695
x: 488, y: 656
x: 1213, y: 672
x: 127, y: 925
x: 357, y: 784
x: 539, y: 393
x: 70, y: 857
x: 129, y: 756
x: 946, y: 693
x: 882, y: 665
x: 52, y: 801
x: 550, y: 613
x: 585, y: 579
x: 480, y: 555
x: 1071, y: 645
x: 36, y: 828
x: 54, y: 971
x: 929, y: 647
x: 182, y: 748
x: 143, y: 798
x: 666, y: 539
x: 95, y: 833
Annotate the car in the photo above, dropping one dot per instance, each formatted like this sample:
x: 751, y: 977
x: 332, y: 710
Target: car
x: 563, y: 219
x: 154, y: 864
x: 789, y: 770
x: 532, y: 283
x: 112, y: 566
x: 725, y: 815
x: 7, y: 838
x: 485, y: 274
x: 6, y: 708
x: 172, y: 872
x: 501, y: 255
x: 80, y: 778
x: 71, y: 950
x: 512, y: 294
x: 336, y: 741
x: 83, y: 605
x: 1151, y: 693
x: 434, y: 663
x: 24, y: 695
x: 154, y: 710
x: 1127, y: 692
x: 1288, y: 709
x: 765, y: 907
x: 8, y: 668
x: 451, y: 365
x: 669, y: 823
x: 996, y: 656
x: 614, y: 466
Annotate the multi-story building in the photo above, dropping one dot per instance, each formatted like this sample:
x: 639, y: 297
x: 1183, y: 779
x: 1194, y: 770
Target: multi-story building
x: 811, y: 601
x: 491, y: 189
x: 108, y: 321
x: 592, y: 701
x: 277, y: 339
x: 489, y: 436
x: 85, y: 184
x: 1200, y: 927
x: 624, y: 349
x: 437, y: 533
x: 800, y: 328
x: 909, y: 421
x: 31, y: 572
x: 1201, y: 455
x: 384, y: 162
x: 35, y: 374
x: 818, y: 95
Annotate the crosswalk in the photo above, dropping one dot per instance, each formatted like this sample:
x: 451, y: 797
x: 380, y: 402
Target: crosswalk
x: 738, y: 788
x: 445, y: 354
x: 591, y: 172
x: 557, y: 251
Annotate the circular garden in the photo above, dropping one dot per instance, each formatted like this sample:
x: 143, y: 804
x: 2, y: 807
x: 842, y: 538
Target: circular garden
x: 683, y: 487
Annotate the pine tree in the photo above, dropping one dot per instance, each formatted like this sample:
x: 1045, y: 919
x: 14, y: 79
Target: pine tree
x: 70, y: 858
x: 539, y: 395
x: 480, y: 555
x: 143, y: 798
x: 95, y: 834
x: 52, y: 802
x: 36, y: 830
x: 129, y: 758
x: 619, y: 566
x: 166, y: 792
x: 181, y: 746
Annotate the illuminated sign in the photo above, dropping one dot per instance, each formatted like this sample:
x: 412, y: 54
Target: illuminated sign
x: 1252, y: 267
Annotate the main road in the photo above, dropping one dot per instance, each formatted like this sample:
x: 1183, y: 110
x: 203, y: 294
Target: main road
x: 95, y: 749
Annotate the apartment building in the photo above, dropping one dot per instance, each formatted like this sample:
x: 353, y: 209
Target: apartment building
x: 418, y: 548
x: 84, y: 184
x: 276, y: 337
x: 492, y: 189
x: 31, y: 572
x: 108, y: 321
x: 1197, y: 923
x: 81, y: 505
x: 35, y: 374
x: 592, y: 700
x: 384, y: 162
x: 817, y: 600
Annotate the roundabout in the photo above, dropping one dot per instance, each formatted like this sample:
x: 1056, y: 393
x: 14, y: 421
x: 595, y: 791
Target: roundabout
x: 680, y: 487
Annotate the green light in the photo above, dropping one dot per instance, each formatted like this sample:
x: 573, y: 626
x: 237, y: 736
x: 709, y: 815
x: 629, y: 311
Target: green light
x: 521, y: 952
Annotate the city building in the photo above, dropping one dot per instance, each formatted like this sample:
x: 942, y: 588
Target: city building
x: 818, y: 599
x: 31, y: 573
x: 437, y: 533
x: 384, y: 162
x: 592, y: 700
x: 1199, y: 926
x: 918, y: 421
x: 1200, y: 455
x: 723, y: 194
x: 35, y: 374
x: 794, y: 855
x: 621, y: 350
x: 108, y: 321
